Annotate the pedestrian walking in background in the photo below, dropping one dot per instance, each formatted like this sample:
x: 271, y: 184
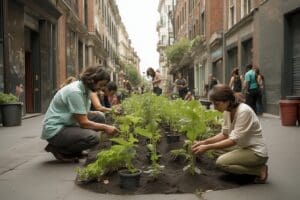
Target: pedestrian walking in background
x: 261, y: 85
x: 235, y: 81
x: 181, y: 86
x: 69, y: 126
x: 212, y: 81
x: 156, y: 80
x: 251, y: 87
x: 241, y: 128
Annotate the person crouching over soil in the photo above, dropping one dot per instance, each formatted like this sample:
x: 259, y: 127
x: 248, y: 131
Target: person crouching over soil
x: 69, y: 126
x: 241, y: 127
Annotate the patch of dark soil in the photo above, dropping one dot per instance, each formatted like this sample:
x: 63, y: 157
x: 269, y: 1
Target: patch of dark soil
x: 173, y: 179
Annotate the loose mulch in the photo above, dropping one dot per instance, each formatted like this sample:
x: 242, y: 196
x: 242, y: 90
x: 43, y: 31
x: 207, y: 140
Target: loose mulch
x: 173, y: 179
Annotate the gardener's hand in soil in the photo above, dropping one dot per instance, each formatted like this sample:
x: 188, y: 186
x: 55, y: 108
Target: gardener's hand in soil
x: 200, y: 149
x: 197, y: 143
x: 110, y: 130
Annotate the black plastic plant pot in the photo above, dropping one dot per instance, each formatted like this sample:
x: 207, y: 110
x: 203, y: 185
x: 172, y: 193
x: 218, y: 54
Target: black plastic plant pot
x: 180, y: 159
x: 11, y: 114
x: 173, y: 138
x: 128, y: 180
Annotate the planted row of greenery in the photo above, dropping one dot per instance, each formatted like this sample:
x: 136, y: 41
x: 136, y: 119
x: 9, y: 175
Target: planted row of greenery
x: 143, y: 117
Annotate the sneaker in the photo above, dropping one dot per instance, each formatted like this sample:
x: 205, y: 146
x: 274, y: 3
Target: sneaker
x: 65, y: 158
x: 259, y: 180
x: 61, y: 156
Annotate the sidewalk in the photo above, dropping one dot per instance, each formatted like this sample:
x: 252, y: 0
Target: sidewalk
x: 28, y: 172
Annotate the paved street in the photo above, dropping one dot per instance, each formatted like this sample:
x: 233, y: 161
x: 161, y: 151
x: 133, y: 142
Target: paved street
x: 29, y: 173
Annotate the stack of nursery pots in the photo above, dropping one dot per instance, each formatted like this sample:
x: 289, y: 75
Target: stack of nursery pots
x: 290, y: 111
x: 10, y: 109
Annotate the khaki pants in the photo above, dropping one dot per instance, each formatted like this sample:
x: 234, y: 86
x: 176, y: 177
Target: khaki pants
x: 241, y: 161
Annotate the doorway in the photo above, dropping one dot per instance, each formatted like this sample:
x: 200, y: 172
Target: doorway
x: 32, y: 100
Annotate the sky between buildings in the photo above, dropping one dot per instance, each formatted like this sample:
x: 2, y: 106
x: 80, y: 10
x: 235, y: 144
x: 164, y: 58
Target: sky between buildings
x: 140, y: 18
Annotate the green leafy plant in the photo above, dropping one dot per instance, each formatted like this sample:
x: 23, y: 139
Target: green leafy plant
x: 118, y: 156
x: 127, y: 125
x: 176, y: 52
x: 7, y: 98
x: 197, y: 40
x: 194, y: 123
x: 151, y: 133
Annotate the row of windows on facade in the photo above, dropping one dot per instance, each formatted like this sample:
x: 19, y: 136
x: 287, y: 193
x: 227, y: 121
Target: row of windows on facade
x: 199, y: 26
x: 107, y: 18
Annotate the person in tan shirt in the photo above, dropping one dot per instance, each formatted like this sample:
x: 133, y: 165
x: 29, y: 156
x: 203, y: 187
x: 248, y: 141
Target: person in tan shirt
x: 241, y: 128
x: 156, y: 80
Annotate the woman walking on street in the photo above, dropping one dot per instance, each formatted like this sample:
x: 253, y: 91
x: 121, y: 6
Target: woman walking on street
x: 260, y: 79
x: 156, y: 80
x: 235, y: 82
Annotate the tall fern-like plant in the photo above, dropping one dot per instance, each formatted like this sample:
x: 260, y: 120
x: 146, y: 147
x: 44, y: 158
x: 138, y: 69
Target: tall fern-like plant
x: 152, y: 134
x: 194, y: 123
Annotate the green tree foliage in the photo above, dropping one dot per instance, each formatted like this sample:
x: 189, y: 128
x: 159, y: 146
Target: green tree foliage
x: 133, y: 75
x: 176, y: 52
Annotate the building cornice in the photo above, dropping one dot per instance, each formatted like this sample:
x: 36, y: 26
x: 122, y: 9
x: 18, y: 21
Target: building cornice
x: 244, y: 21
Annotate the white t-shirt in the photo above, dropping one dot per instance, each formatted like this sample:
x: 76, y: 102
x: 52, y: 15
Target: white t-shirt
x: 245, y: 130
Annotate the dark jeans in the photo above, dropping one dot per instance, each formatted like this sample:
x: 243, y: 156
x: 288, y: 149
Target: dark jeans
x: 157, y: 91
x: 259, y: 104
x: 182, y: 92
x: 251, y: 98
x: 73, y: 139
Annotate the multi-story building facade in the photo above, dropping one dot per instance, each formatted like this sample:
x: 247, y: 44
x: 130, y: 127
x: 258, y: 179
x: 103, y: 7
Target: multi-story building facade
x: 235, y: 33
x: 42, y: 43
x: 239, y: 35
x: 207, y: 53
x: 111, y: 19
x: 166, y: 37
x: 276, y: 49
x: 202, y: 23
x: 79, y: 41
x: 28, y: 43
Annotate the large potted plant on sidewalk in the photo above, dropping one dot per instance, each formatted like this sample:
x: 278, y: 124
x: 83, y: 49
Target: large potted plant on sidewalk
x: 11, y: 110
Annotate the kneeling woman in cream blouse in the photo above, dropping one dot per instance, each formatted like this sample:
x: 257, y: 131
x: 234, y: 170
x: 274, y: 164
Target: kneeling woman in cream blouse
x: 242, y: 128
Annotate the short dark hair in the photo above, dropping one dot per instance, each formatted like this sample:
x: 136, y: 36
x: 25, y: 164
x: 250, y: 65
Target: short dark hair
x: 249, y: 67
x: 221, y: 92
x: 92, y: 75
x: 112, y: 86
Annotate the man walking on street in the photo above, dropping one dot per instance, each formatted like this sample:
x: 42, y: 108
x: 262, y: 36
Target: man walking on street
x: 251, y: 88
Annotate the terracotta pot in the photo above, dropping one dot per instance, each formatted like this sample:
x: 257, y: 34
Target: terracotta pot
x: 289, y: 112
